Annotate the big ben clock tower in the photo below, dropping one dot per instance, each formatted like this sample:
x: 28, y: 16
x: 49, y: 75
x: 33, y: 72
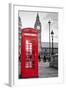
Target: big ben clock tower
x: 38, y: 27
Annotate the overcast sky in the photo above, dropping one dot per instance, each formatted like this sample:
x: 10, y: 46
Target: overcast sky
x: 28, y: 20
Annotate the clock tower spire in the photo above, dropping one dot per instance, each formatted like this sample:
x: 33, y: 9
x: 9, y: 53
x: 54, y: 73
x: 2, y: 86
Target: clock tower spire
x: 38, y: 27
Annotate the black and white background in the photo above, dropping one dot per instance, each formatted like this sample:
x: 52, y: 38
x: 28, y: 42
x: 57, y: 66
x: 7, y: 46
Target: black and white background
x: 47, y: 49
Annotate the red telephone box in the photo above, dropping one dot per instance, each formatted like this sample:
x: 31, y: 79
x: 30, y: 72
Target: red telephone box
x: 29, y: 53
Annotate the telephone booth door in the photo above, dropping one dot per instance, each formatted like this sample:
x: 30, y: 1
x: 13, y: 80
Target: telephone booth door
x: 29, y: 54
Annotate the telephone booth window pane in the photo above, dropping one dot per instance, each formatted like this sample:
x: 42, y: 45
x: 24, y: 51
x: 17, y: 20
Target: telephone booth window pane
x: 28, y: 47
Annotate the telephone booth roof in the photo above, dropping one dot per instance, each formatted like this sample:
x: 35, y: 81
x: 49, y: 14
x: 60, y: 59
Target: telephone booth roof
x: 29, y: 30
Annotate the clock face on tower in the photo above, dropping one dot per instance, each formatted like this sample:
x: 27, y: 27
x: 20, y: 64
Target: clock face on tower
x: 38, y: 27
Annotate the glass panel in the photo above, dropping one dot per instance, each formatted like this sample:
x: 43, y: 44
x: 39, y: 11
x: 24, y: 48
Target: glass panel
x: 28, y: 47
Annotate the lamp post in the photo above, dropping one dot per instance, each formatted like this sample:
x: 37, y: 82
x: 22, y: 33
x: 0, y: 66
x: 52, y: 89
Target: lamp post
x: 52, y: 33
x: 49, y: 22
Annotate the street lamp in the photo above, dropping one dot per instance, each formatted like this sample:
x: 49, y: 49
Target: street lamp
x: 49, y: 22
x: 52, y: 33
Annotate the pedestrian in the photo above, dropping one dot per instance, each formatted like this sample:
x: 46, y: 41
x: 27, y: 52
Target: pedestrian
x: 44, y: 59
x: 39, y: 58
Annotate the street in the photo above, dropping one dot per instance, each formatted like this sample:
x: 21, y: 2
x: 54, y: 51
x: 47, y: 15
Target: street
x: 45, y: 71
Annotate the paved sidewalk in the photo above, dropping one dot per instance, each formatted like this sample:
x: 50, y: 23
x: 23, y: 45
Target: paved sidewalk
x: 45, y: 71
